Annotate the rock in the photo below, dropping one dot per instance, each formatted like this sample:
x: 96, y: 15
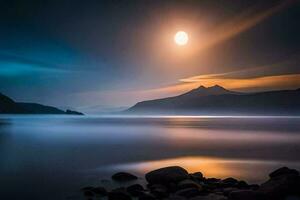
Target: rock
x: 172, y: 187
x: 212, y: 180
x: 210, y: 197
x: 281, y: 184
x: 159, y: 191
x: 89, y: 193
x: 123, y: 176
x: 188, y: 184
x: 227, y: 191
x: 242, y: 185
x: 118, y: 194
x: 87, y: 188
x: 189, y: 192
x: 135, y: 190
x: 155, y: 186
x: 146, y: 196
x: 197, y: 176
x: 246, y: 195
x: 176, y: 197
x: 230, y: 181
x: 253, y: 187
x: 99, y: 190
x: 293, y: 197
x: 283, y: 171
x: 167, y: 175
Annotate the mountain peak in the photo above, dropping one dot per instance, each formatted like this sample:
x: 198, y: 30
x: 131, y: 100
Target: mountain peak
x: 206, y: 91
x: 201, y: 87
x: 217, y: 86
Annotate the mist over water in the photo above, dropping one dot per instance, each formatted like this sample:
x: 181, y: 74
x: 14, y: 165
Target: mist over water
x: 57, y: 155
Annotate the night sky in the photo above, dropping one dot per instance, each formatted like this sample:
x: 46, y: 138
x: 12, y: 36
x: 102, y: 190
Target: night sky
x: 102, y: 54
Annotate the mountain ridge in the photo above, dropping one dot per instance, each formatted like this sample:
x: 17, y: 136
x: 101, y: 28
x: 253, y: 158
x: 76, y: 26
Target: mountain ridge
x: 281, y: 102
x: 9, y: 106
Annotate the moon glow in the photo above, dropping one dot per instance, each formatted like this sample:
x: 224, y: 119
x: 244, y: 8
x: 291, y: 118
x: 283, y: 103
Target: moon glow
x: 181, y: 38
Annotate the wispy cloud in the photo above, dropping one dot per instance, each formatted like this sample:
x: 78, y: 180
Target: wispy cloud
x: 11, y: 65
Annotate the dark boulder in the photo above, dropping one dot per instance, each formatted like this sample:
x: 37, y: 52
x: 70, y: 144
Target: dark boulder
x: 189, y: 192
x: 118, y: 194
x: 253, y: 187
x: 159, y: 191
x: 242, y: 185
x: 212, y: 180
x: 228, y: 190
x: 283, y: 171
x: 123, y: 176
x: 176, y: 197
x: 210, y: 197
x: 135, y: 190
x: 198, y: 176
x: 89, y: 193
x: 188, y: 184
x: 99, y: 191
x: 146, y: 196
x: 283, y: 182
x: 230, y: 181
x: 167, y: 175
x: 87, y: 188
x: 246, y: 195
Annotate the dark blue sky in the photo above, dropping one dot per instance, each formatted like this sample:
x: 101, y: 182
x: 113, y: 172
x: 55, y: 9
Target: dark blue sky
x: 114, y: 53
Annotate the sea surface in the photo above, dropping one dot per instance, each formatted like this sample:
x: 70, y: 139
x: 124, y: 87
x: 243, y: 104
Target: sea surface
x: 52, y: 157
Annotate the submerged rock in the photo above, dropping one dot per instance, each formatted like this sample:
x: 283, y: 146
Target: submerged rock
x: 167, y: 175
x: 123, y: 176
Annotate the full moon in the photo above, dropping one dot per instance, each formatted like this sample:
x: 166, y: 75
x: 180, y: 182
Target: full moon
x: 181, y: 38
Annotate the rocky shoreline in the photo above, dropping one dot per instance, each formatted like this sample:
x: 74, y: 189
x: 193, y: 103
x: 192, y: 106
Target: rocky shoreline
x: 175, y: 183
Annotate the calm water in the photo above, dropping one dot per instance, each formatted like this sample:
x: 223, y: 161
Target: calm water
x: 52, y: 157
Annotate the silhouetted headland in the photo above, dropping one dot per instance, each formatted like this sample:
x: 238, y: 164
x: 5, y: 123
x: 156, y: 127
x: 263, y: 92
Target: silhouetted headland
x: 175, y: 183
x: 9, y: 106
x: 217, y: 100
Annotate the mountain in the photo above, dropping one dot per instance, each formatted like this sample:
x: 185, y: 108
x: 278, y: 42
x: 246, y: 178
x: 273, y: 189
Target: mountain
x: 9, y: 106
x: 217, y: 100
x: 206, y: 91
